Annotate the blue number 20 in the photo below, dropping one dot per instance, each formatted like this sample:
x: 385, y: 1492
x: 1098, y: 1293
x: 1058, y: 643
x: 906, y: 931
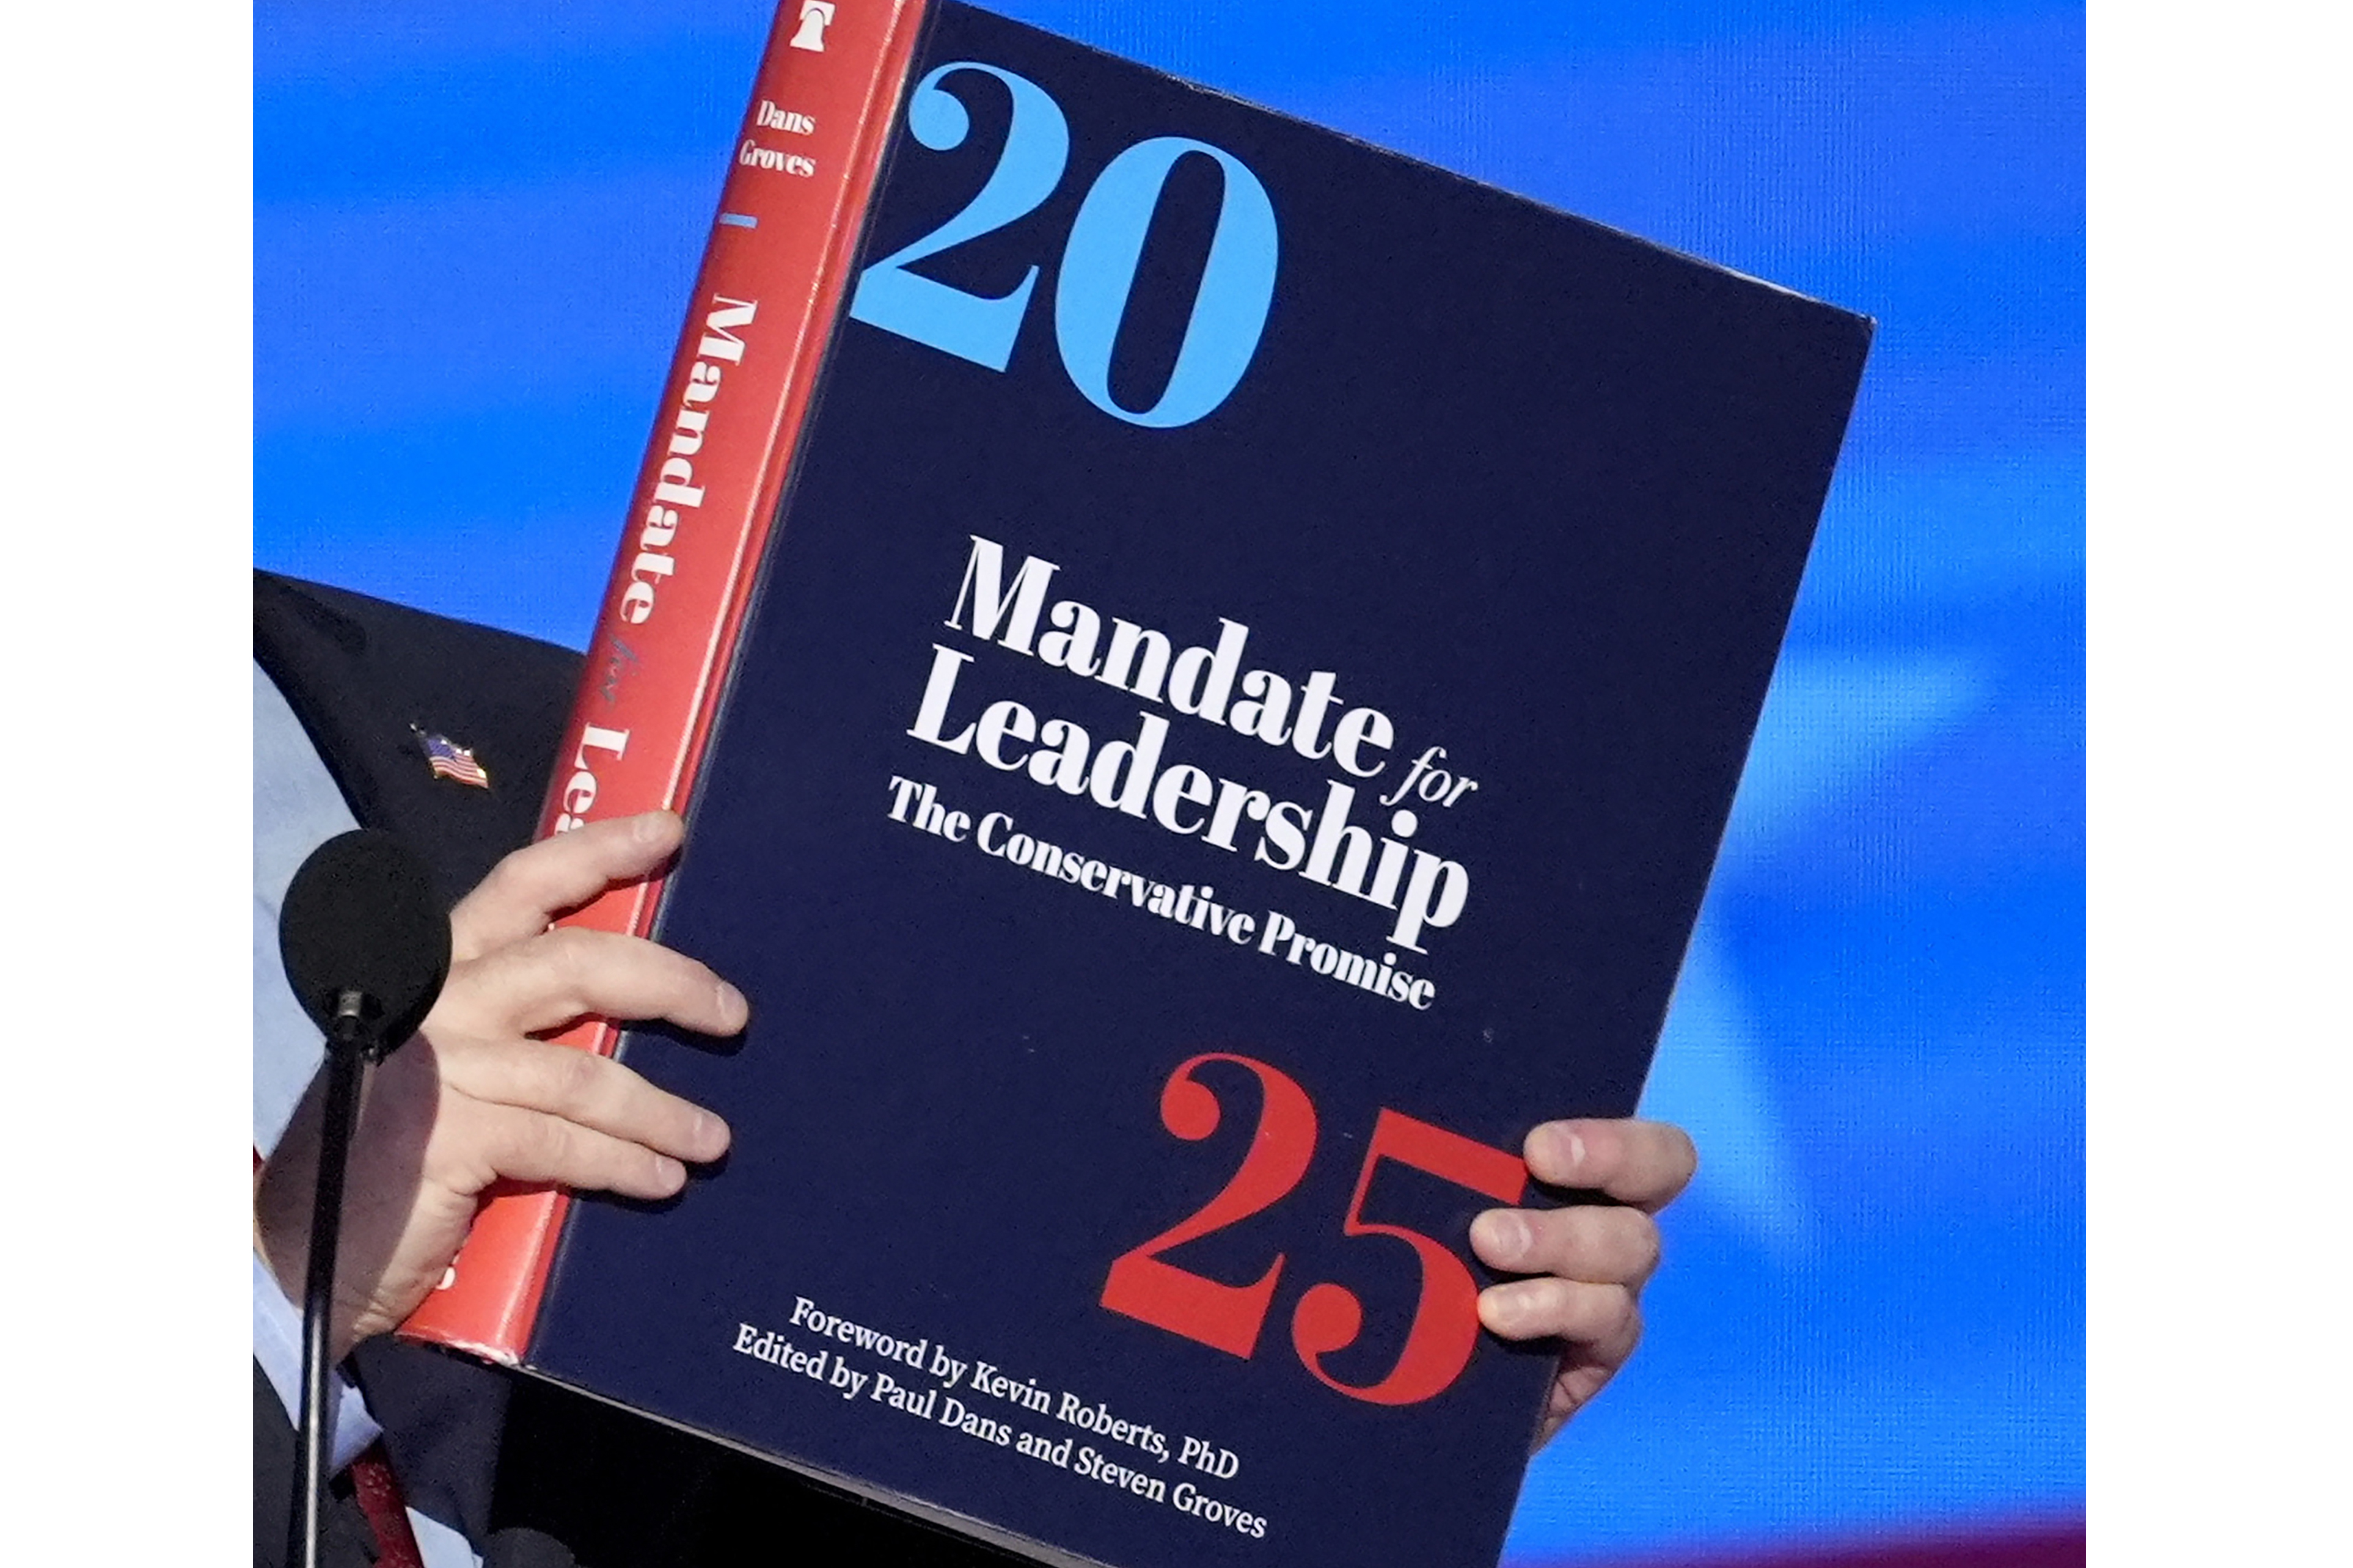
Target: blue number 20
x: 1230, y: 302
x: 1037, y: 145
x: 1099, y: 259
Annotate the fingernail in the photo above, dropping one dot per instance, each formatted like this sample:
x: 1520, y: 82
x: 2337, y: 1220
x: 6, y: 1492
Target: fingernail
x: 1565, y: 1149
x: 710, y: 1133
x: 734, y: 1003
x: 669, y: 1173
x: 1501, y: 1234
x: 1503, y: 1309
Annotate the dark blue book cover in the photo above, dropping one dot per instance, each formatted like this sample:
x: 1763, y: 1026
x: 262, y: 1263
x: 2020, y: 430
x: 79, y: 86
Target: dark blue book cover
x: 1234, y: 730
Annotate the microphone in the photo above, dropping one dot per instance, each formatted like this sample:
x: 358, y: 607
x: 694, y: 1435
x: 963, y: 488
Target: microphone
x: 366, y: 945
x: 365, y: 939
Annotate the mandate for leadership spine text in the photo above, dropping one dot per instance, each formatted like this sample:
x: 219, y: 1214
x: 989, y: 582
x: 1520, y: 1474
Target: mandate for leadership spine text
x: 766, y: 303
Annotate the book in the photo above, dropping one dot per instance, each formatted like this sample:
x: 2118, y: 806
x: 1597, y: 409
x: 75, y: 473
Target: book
x: 1206, y: 664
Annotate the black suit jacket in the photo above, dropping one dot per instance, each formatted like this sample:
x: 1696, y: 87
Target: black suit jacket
x: 534, y: 1476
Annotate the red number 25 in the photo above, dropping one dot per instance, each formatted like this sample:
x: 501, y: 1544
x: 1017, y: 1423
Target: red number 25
x: 1328, y: 1318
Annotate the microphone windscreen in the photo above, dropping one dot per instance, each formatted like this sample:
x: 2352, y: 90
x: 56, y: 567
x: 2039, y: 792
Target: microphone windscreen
x: 362, y: 915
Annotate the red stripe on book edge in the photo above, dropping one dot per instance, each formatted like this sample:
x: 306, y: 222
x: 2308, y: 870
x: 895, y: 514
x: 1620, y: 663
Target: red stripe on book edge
x: 667, y: 687
x: 809, y: 352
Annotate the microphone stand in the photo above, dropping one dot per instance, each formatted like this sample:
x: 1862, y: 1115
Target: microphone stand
x: 364, y: 939
x: 349, y: 1050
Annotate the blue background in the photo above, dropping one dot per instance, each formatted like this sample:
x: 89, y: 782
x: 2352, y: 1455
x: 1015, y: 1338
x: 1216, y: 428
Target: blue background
x: 475, y: 226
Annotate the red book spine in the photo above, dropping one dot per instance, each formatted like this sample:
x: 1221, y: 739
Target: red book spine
x: 774, y: 281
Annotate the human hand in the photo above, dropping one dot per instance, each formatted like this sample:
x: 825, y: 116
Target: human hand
x: 474, y: 1100
x: 1590, y: 1261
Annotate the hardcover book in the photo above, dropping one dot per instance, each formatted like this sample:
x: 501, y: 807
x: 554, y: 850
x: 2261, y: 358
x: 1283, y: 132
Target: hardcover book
x: 1206, y: 664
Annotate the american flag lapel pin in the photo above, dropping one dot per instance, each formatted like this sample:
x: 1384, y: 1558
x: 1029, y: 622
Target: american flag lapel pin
x: 451, y: 761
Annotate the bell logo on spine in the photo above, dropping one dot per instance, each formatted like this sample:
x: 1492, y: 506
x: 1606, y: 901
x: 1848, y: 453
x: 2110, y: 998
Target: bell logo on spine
x: 816, y: 16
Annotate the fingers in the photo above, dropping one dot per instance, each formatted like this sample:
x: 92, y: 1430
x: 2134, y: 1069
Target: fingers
x: 1604, y: 1321
x: 565, y: 1088
x: 1597, y: 1243
x: 560, y: 975
x: 1591, y: 1260
x: 553, y: 1113
x: 523, y: 1109
x: 534, y: 1147
x: 1645, y: 1164
x: 531, y: 886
